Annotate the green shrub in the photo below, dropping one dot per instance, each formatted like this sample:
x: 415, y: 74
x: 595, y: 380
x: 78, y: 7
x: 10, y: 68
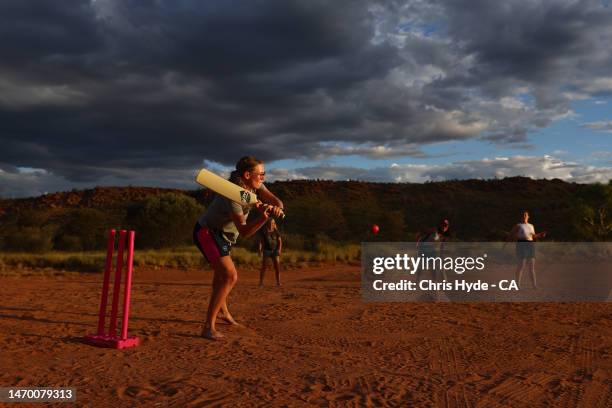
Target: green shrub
x: 84, y: 229
x: 317, y: 242
x: 32, y: 218
x: 294, y: 241
x: 30, y: 239
x: 68, y: 243
x: 165, y: 220
x: 314, y: 214
x: 392, y: 227
x: 592, y: 213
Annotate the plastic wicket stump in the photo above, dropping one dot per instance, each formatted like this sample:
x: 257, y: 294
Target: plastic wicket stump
x: 110, y: 338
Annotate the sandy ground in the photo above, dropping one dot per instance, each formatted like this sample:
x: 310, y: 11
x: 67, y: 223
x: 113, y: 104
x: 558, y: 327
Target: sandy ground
x: 311, y: 342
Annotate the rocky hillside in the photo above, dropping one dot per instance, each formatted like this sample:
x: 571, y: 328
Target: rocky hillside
x: 477, y: 209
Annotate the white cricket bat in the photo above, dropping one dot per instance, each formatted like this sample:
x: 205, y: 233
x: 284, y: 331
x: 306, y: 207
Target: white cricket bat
x: 226, y: 188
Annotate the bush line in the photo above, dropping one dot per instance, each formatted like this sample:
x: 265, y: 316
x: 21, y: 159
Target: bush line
x: 181, y: 258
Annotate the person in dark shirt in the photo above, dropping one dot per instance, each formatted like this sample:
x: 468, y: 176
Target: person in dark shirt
x: 430, y: 244
x: 270, y: 245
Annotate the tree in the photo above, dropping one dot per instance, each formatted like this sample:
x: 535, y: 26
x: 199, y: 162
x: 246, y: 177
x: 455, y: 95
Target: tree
x: 311, y: 216
x: 360, y: 215
x: 84, y: 229
x: 392, y: 227
x: 166, y: 220
x: 593, y: 212
x: 29, y: 239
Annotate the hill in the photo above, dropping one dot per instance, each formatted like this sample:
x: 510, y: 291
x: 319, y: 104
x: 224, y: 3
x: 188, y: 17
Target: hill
x: 104, y: 198
x: 342, y: 210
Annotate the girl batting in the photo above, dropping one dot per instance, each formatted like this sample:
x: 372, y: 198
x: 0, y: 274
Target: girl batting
x: 217, y: 230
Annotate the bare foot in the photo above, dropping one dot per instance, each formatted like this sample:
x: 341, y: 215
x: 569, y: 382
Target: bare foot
x: 228, y: 319
x: 234, y: 323
x: 211, y: 334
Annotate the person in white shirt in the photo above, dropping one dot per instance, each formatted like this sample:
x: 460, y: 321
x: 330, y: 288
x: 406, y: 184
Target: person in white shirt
x: 524, y: 234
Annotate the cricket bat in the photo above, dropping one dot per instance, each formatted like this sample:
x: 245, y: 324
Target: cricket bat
x: 226, y: 188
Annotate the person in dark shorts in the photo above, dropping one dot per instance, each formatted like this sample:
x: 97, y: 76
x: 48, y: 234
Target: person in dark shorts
x: 525, y: 236
x: 429, y: 244
x: 217, y: 230
x: 270, y: 246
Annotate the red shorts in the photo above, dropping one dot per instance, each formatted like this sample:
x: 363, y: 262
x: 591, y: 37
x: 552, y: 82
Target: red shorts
x: 211, y: 243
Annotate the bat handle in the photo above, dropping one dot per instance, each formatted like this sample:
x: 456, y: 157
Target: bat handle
x: 282, y: 214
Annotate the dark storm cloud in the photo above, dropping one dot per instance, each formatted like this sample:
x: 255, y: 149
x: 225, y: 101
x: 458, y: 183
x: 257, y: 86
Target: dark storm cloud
x: 549, y: 47
x: 174, y: 83
x: 125, y: 88
x: 33, y: 30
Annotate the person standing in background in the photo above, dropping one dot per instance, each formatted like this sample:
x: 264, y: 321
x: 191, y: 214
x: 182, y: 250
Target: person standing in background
x: 525, y: 236
x: 270, y: 246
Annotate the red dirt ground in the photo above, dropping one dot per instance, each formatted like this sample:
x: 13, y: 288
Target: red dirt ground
x: 311, y: 342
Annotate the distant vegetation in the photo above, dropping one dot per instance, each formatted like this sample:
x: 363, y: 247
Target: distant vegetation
x: 179, y: 257
x: 319, y: 213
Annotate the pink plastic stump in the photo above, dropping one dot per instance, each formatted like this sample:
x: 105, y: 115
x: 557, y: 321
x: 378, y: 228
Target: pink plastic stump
x: 110, y: 338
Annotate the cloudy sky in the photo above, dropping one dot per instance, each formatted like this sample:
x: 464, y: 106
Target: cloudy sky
x: 127, y: 92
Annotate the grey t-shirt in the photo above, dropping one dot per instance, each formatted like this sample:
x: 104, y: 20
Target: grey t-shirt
x: 218, y: 216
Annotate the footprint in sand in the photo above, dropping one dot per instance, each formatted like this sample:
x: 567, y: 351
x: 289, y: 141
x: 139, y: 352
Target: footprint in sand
x: 210, y: 398
x: 175, y: 389
x: 141, y: 392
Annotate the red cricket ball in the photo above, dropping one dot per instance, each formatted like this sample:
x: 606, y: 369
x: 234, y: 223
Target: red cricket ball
x: 374, y: 228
